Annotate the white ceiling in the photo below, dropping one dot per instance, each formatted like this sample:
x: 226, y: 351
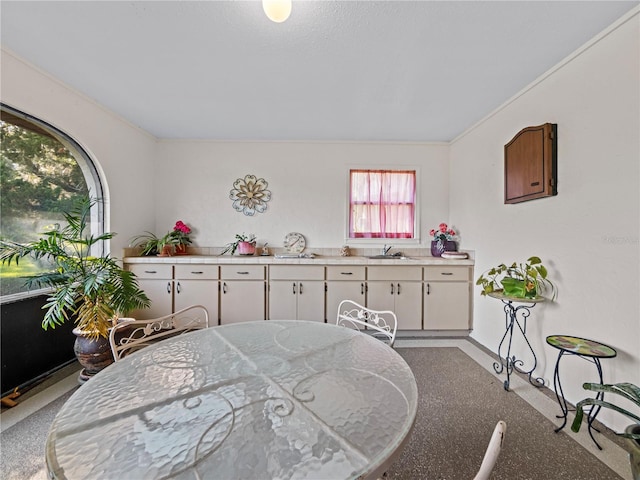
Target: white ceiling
x: 336, y: 70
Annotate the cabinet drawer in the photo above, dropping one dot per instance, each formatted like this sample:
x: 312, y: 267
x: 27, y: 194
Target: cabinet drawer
x: 445, y: 273
x: 394, y: 273
x: 346, y: 273
x: 242, y: 272
x: 196, y: 272
x: 293, y: 272
x: 151, y: 270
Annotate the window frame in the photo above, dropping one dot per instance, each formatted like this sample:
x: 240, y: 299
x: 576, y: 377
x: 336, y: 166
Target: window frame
x: 91, y: 175
x: 416, y: 213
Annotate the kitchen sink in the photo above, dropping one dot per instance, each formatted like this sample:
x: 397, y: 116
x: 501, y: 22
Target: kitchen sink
x: 388, y: 257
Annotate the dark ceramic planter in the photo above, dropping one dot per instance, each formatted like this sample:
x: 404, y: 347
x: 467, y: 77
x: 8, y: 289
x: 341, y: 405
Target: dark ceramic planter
x: 93, y: 355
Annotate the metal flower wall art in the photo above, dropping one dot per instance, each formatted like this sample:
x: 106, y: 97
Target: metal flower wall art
x: 250, y: 195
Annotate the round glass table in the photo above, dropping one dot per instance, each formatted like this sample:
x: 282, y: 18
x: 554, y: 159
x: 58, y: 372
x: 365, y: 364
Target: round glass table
x: 267, y: 399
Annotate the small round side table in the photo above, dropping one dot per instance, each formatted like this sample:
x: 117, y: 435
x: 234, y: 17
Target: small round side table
x: 586, y: 349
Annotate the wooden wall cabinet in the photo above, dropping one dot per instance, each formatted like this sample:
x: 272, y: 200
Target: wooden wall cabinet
x: 530, y: 164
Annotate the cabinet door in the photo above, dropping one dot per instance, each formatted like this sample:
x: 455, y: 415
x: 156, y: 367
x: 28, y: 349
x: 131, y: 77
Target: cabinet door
x: 338, y: 291
x: 242, y: 301
x: 446, y: 306
x: 408, y: 305
x: 197, y: 292
x: 381, y: 295
x: 402, y: 298
x: 160, y: 292
x: 310, y: 301
x: 283, y: 299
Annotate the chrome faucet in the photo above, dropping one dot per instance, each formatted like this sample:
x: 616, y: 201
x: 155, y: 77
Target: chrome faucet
x: 385, y: 249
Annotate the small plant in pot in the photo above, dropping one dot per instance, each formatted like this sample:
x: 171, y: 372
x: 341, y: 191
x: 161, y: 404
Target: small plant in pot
x: 175, y: 241
x: 152, y: 245
x: 632, y: 433
x: 244, y: 244
x: 85, y: 285
x: 520, y: 280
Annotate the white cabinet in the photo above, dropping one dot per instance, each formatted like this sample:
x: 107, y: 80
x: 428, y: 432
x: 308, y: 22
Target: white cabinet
x: 447, y: 298
x: 242, y: 296
x: 174, y: 287
x: 157, y: 282
x: 344, y: 283
x: 296, y: 292
x: 398, y: 289
x: 196, y: 284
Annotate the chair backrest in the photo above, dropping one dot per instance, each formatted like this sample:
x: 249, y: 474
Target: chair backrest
x: 493, y: 450
x: 382, y: 324
x: 131, y: 335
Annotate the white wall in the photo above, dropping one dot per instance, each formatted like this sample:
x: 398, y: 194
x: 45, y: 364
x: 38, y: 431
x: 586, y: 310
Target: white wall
x: 308, y: 183
x: 125, y: 154
x: 588, y: 235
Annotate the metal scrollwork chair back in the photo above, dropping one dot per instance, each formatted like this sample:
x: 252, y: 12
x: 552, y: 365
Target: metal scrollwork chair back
x: 492, y: 452
x: 381, y: 324
x: 131, y: 335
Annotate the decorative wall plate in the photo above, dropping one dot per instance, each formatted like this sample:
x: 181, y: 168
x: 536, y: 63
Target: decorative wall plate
x: 294, y: 242
x: 250, y: 195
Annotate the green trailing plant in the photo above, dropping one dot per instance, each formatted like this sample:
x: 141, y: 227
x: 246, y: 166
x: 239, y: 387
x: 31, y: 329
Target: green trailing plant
x: 94, y: 290
x: 233, y: 246
x: 519, y: 280
x: 626, y: 390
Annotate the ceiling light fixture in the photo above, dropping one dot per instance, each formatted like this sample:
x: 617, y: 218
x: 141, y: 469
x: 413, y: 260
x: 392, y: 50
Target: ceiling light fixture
x: 277, y: 10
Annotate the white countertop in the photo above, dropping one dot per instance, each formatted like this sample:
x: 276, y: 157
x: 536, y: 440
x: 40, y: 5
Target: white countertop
x: 317, y: 260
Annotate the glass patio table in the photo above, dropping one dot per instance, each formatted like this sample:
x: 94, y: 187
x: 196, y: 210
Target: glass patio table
x: 267, y: 399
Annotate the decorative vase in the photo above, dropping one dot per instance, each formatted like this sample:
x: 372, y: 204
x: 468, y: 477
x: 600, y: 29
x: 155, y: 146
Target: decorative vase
x: 92, y: 354
x: 246, y: 248
x: 438, y: 248
x: 181, y: 249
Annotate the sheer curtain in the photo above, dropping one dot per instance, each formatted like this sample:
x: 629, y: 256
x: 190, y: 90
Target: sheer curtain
x: 382, y: 203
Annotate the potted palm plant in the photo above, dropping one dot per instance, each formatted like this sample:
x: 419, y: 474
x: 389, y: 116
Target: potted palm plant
x: 632, y: 433
x: 90, y: 288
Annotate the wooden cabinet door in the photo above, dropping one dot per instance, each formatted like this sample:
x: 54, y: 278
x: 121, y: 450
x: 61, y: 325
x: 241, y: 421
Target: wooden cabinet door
x: 446, y: 306
x: 310, y: 305
x: 241, y: 301
x: 197, y: 292
x: 381, y: 295
x: 283, y: 299
x: 338, y: 291
x: 408, y: 305
x: 160, y: 292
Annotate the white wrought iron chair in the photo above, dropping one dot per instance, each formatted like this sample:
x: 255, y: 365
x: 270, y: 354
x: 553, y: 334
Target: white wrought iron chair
x: 381, y: 324
x: 131, y: 335
x: 493, y: 450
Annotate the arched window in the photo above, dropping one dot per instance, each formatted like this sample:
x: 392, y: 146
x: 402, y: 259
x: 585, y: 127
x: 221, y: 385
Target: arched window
x: 42, y: 172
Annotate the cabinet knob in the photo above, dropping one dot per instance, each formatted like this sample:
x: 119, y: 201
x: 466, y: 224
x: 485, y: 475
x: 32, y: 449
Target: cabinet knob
x: 446, y: 273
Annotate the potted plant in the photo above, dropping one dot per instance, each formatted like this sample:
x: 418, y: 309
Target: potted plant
x: 180, y: 234
x: 91, y: 288
x: 632, y: 433
x: 175, y: 241
x: 244, y: 244
x: 520, y: 280
x: 443, y: 240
